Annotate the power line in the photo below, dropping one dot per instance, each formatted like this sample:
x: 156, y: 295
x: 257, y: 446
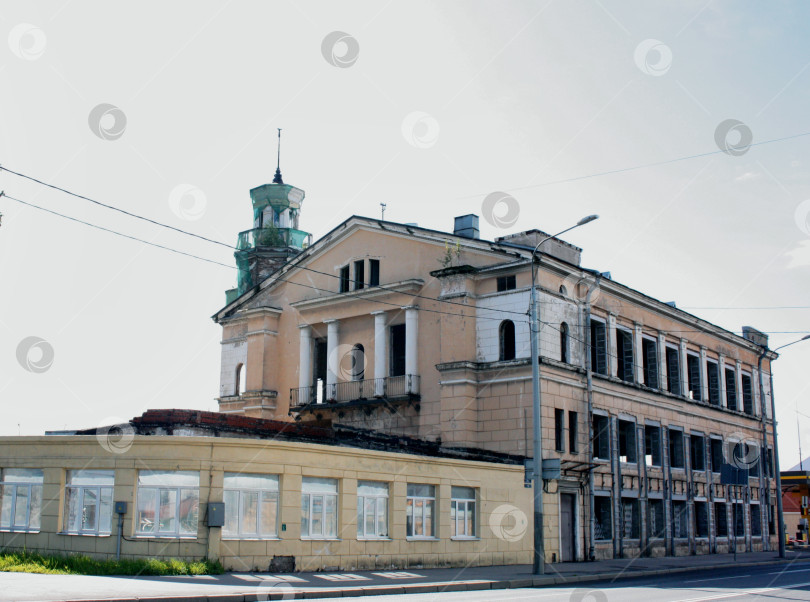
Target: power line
x: 73, y: 219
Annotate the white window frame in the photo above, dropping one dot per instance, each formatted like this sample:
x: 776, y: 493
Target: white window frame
x: 156, y: 492
x: 377, y: 500
x: 325, y: 496
x: 79, y: 493
x: 31, y: 486
x: 411, y: 503
x: 470, y: 506
x: 263, y: 495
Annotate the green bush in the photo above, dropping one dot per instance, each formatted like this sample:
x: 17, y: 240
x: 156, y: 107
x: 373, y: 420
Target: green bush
x: 29, y: 562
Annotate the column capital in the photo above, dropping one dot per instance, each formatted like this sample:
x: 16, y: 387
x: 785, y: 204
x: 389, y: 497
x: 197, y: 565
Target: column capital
x: 304, y: 326
x: 331, y: 321
x: 406, y: 307
x: 684, y: 342
x: 379, y: 312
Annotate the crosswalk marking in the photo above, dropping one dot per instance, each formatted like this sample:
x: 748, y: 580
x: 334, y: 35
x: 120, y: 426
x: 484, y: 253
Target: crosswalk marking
x: 343, y: 577
x: 398, y: 575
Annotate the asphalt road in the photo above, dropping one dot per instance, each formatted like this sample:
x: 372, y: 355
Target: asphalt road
x: 768, y: 583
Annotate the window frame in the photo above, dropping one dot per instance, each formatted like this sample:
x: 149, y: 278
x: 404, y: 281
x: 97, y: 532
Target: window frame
x: 158, y: 490
x: 731, y: 391
x: 599, y: 348
x: 262, y: 495
x: 79, y: 491
x: 344, y: 279
x: 359, y: 274
x: 694, y: 383
x: 623, y: 424
x: 573, y: 423
x: 469, y: 503
x: 747, y: 396
x: 625, y: 370
x: 598, y: 435
x: 410, y: 508
x: 647, y: 439
x: 559, y: 430
x: 679, y: 431
x: 310, y: 496
x: 361, y: 503
x: 15, y: 486
x: 505, y: 283
x: 507, y: 352
x: 650, y: 366
x: 716, y: 390
x: 692, y: 438
x: 673, y: 384
x: 373, y: 272
x: 598, y: 512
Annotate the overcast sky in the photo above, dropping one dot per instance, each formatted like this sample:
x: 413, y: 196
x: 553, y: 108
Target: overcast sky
x: 170, y: 110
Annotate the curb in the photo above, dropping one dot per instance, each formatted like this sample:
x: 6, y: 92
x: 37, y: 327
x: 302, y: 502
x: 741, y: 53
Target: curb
x: 439, y: 586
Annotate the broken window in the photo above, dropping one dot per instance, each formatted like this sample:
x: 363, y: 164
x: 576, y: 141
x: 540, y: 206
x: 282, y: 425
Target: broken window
x: 627, y: 441
x: 680, y: 518
x: 731, y: 389
x: 652, y: 444
x: 601, y: 511
x: 397, y: 350
x: 601, y: 437
x: 676, y: 459
x: 673, y: 371
x: 649, y: 360
x: 506, y: 335
x: 747, y: 395
x: 701, y: 519
x: 624, y: 355
x: 572, y: 432
x: 598, y: 347
x: 506, y: 283
x: 697, y: 452
x: 720, y: 519
x: 717, y: 454
x: 756, y: 521
x: 559, y: 430
x: 373, y: 272
x: 564, y: 342
x: 359, y: 274
x: 657, y: 523
x: 344, y: 279
x: 693, y: 376
x: 739, y: 519
x: 631, y: 519
x: 713, y: 376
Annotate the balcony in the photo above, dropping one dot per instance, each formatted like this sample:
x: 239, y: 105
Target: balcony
x: 272, y: 237
x: 392, y: 388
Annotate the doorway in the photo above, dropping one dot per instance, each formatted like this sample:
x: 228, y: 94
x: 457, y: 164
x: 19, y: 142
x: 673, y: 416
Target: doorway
x: 567, y: 530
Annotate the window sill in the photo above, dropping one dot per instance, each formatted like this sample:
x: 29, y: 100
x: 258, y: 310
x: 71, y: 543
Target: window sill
x: 465, y: 538
x: 417, y: 538
x: 19, y: 531
x: 167, y: 536
x: 84, y: 534
x: 311, y: 538
x: 273, y: 538
x: 374, y: 539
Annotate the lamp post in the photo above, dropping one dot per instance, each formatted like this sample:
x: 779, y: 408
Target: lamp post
x: 538, y: 564
x: 779, y: 510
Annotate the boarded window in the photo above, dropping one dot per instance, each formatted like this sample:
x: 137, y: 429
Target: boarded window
x: 676, y: 459
x: 601, y: 437
x: 506, y: 340
x: 649, y: 358
x: 627, y: 441
x: 652, y: 444
x: 697, y: 452
x: 731, y: 389
x: 693, y: 375
x: 673, y: 371
x: 624, y: 355
x: 602, y: 513
x: 598, y: 347
x: 713, y: 376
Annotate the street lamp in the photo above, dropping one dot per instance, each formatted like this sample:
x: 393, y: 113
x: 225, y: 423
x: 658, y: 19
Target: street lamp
x: 779, y: 511
x: 538, y: 564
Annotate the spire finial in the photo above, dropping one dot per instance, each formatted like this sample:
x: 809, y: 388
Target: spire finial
x: 277, y: 178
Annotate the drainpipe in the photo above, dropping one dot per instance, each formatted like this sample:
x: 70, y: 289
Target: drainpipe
x: 589, y: 384
x: 767, y: 489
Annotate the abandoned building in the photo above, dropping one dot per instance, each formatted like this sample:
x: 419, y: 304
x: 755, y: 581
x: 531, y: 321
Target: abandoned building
x: 418, y: 340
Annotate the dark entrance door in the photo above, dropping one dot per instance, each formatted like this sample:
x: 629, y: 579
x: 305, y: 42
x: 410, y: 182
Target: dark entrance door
x: 319, y: 373
x: 567, y: 532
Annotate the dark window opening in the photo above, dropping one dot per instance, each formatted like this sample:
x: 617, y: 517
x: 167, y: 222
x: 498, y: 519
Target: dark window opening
x: 319, y: 372
x: 506, y: 283
x: 697, y: 452
x: 631, y: 518
x: 601, y: 510
x: 359, y: 274
x: 680, y: 519
x: 627, y: 441
x: 373, y: 272
x: 693, y: 375
x: 731, y: 389
x: 717, y: 454
x: 601, y: 437
x: 572, y: 432
x: 720, y: 519
x: 673, y: 371
x: 624, y: 355
x: 676, y: 459
x: 713, y: 376
x: 357, y: 369
x: 564, y: 343
x: 756, y: 520
x: 771, y: 515
x: 559, y: 430
x: 397, y: 350
x: 739, y: 519
x: 506, y: 337
x: 344, y: 279
x: 657, y: 523
x: 598, y: 347
x: 701, y: 519
x: 769, y: 463
x: 652, y: 445
x: 649, y: 359
x: 747, y: 395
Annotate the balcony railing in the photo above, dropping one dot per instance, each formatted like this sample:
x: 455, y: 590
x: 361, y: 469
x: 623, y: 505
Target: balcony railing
x: 272, y: 237
x: 356, y: 390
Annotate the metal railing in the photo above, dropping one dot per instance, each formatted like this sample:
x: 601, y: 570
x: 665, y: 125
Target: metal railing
x: 356, y: 390
x: 272, y: 237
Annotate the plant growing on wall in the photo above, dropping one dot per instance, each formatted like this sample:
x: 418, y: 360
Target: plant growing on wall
x: 452, y: 254
x: 269, y: 236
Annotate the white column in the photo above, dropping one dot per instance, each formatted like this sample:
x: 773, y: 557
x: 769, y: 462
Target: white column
x: 639, y: 354
x: 305, y: 356
x: 662, y: 361
x: 684, y: 370
x: 721, y: 368
x: 380, y: 351
x: 411, y: 332
x: 613, y: 364
x: 332, y: 342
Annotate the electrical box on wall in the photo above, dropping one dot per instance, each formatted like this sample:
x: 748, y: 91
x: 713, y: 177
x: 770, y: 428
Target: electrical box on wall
x: 216, y: 514
x: 120, y: 507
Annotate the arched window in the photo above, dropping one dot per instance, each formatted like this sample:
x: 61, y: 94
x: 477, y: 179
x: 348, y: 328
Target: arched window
x: 239, y: 385
x: 564, y: 343
x: 507, y: 340
x: 358, y: 368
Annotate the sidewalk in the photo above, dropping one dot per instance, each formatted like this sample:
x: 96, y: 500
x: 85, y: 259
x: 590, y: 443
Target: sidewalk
x: 250, y: 587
